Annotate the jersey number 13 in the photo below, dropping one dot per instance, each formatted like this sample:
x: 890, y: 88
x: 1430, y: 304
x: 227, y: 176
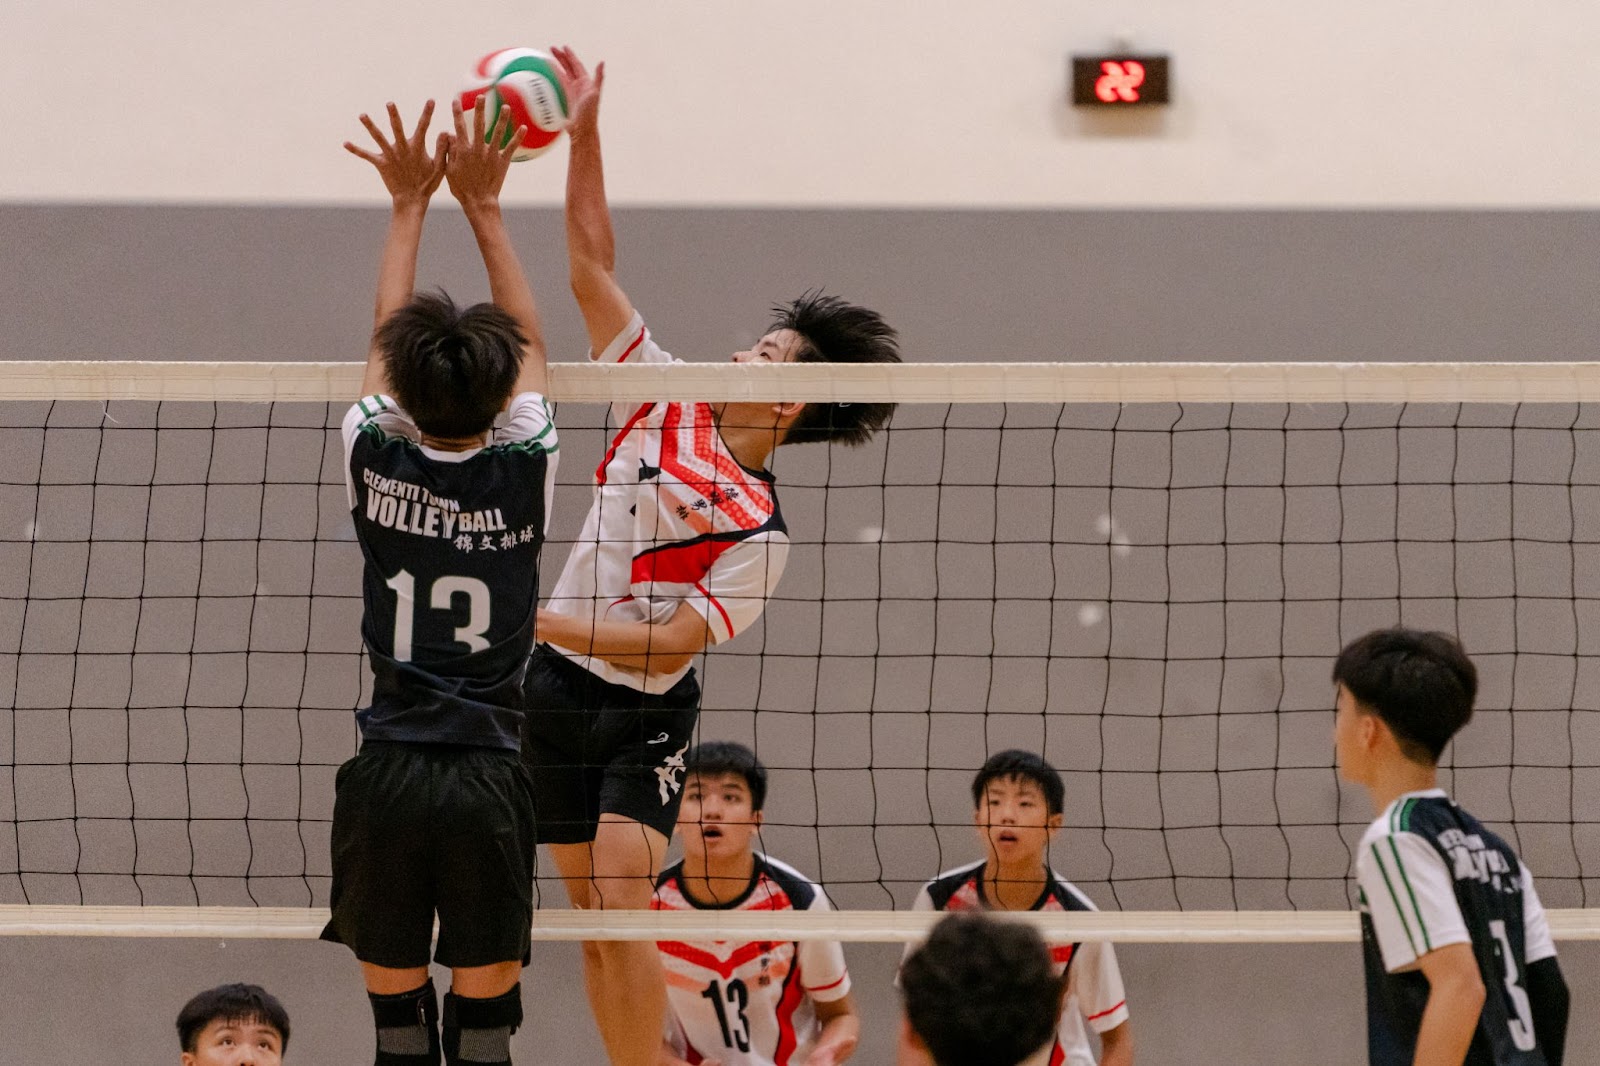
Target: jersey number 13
x: 442, y: 598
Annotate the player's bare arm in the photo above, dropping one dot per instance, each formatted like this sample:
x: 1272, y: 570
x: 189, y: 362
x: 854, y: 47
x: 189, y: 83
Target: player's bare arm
x: 655, y: 647
x: 841, y: 1032
x: 1116, y: 1046
x: 591, y: 248
x: 411, y: 175
x: 476, y: 170
x: 1455, y: 999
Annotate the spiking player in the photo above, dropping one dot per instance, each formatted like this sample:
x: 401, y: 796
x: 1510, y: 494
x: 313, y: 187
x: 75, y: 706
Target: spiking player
x: 1018, y: 798
x: 435, y: 814
x: 1460, y: 965
x: 759, y: 1003
x: 681, y: 548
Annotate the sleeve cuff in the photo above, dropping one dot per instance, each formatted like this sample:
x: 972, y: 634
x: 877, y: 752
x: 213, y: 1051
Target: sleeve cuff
x: 829, y: 993
x: 1109, y: 1019
x: 625, y: 344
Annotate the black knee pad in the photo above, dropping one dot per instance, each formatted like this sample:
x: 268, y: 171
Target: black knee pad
x: 477, y: 1032
x: 408, y: 1027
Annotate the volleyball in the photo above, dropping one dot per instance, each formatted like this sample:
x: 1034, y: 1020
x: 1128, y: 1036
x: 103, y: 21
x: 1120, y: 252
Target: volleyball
x: 526, y: 82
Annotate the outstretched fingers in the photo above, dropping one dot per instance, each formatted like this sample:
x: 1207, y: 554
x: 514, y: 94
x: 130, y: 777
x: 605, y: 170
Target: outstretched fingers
x: 377, y: 135
x: 422, y: 124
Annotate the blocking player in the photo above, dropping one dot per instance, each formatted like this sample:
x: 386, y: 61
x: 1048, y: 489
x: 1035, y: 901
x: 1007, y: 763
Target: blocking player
x: 1459, y: 961
x: 233, y: 1025
x: 736, y: 1003
x: 980, y: 990
x: 1018, y: 798
x: 434, y: 815
x: 680, y: 550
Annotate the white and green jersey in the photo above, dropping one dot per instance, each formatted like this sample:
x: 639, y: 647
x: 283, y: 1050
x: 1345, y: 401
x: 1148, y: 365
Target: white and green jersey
x: 1431, y: 875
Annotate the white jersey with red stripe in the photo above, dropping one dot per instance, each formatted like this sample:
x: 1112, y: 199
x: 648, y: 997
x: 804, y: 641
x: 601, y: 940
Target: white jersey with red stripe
x: 675, y: 520
x: 749, y: 1003
x: 1094, y: 983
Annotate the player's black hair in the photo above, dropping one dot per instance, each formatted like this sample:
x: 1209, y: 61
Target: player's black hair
x: 231, y: 1004
x: 982, y: 991
x: 726, y: 757
x: 1015, y: 764
x: 451, y: 368
x: 1421, y: 684
x: 835, y: 331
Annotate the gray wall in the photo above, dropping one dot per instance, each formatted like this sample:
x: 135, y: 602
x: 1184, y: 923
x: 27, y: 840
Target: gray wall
x: 1161, y: 759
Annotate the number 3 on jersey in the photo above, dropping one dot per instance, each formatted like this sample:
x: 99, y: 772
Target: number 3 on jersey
x: 442, y: 598
x: 1521, y: 1020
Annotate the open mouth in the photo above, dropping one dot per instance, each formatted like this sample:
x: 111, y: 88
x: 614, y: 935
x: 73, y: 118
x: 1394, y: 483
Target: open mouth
x: 1007, y: 836
x: 711, y: 832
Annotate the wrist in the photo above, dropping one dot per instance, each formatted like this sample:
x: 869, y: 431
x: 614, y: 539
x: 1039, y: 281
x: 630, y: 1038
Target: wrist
x: 481, y: 209
x: 410, y: 206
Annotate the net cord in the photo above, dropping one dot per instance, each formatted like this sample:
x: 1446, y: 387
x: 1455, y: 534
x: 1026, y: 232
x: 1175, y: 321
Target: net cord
x: 1125, y: 927
x: 1508, y: 382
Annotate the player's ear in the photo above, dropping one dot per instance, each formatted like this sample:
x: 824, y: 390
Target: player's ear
x: 759, y: 818
x: 187, y: 1059
x: 1053, y: 823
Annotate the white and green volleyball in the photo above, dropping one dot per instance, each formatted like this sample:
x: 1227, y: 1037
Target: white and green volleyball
x: 525, y: 82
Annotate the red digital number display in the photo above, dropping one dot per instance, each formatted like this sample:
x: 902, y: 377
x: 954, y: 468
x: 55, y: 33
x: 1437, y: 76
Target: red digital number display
x: 1120, y: 81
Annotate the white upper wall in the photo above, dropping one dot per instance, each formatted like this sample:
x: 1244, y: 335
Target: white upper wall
x: 828, y: 102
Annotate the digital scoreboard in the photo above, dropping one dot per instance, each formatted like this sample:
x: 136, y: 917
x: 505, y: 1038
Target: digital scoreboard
x: 1119, y: 81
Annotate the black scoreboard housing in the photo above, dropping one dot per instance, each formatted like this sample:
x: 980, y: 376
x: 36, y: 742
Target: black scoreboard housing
x: 1094, y: 78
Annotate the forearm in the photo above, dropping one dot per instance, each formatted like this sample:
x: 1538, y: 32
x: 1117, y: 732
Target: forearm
x: 1448, y: 1023
x: 839, y: 1035
x: 654, y: 647
x: 591, y: 248
x: 509, y: 288
x: 397, y: 278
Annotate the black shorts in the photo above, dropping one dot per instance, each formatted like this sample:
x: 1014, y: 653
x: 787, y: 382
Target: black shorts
x: 425, y: 828
x: 595, y: 748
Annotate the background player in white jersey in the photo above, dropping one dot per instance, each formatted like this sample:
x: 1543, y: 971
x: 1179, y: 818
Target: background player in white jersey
x: 760, y: 1003
x: 1459, y: 961
x: 434, y: 815
x: 682, y: 547
x: 980, y: 991
x: 1018, y: 798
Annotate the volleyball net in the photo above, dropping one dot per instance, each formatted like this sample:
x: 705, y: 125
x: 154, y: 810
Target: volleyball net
x: 1142, y: 571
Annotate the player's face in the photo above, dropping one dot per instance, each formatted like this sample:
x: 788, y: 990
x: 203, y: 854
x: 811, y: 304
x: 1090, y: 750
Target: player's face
x: 1015, y: 822
x: 236, y: 1043
x: 779, y: 346
x: 1351, y: 725
x: 716, y: 820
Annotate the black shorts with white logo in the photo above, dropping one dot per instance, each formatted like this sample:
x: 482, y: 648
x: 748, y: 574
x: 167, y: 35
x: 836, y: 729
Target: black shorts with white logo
x: 426, y: 828
x: 592, y: 747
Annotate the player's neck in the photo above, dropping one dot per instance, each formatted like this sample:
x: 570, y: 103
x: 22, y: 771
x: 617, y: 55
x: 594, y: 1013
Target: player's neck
x: 451, y: 444
x: 718, y: 881
x: 751, y: 445
x: 1393, y: 779
x: 1016, y: 887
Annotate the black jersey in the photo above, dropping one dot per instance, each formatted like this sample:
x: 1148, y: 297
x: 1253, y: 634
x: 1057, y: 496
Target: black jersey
x: 451, y: 581
x: 1431, y: 875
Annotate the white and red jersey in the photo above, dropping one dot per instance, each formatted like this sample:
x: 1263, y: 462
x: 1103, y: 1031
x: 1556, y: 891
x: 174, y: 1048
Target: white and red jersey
x: 675, y: 520
x: 749, y: 1003
x: 1094, y: 983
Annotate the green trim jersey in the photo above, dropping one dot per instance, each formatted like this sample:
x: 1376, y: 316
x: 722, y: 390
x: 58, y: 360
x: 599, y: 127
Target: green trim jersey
x: 451, y: 582
x: 1431, y: 875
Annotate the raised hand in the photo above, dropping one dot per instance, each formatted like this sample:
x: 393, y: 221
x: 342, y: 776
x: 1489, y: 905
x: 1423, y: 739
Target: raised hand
x: 583, y: 91
x: 409, y: 173
x: 477, y: 165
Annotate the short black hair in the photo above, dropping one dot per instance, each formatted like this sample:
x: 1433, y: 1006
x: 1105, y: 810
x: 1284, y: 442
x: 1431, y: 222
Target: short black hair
x: 835, y: 331
x: 1025, y: 766
x: 452, y: 369
x: 1421, y: 684
x: 232, y: 1004
x: 726, y: 757
x: 982, y: 991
